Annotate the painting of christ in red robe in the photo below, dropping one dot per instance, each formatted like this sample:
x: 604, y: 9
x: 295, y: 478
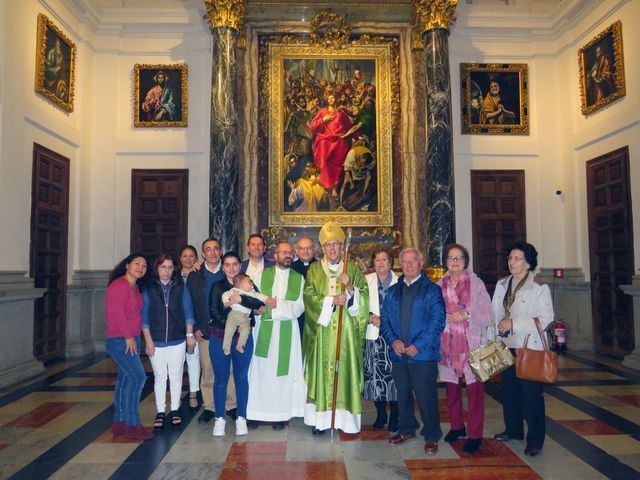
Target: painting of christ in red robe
x: 329, y: 106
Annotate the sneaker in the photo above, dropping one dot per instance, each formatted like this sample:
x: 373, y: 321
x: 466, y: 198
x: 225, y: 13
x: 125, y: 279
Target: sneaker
x: 218, y: 427
x: 241, y: 426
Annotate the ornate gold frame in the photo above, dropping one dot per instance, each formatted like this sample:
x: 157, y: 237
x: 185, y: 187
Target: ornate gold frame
x: 615, y: 30
x: 468, y: 127
x: 41, y: 41
x: 329, y: 43
x: 182, y: 68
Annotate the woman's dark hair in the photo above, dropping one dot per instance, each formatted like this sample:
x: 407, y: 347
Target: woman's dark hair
x: 186, y: 247
x: 465, y: 252
x: 121, y: 268
x: 160, y: 259
x: 230, y: 254
x: 379, y: 250
x: 530, y: 253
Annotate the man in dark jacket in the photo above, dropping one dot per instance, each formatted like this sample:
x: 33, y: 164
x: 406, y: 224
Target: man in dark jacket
x: 256, y: 263
x: 412, y: 319
x: 200, y: 282
x: 305, y: 251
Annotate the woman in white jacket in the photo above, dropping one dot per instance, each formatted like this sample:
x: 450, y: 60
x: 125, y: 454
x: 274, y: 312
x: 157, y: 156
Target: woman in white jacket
x: 379, y: 385
x: 517, y: 300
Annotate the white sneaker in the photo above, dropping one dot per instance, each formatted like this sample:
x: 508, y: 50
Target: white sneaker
x: 218, y: 427
x: 241, y: 426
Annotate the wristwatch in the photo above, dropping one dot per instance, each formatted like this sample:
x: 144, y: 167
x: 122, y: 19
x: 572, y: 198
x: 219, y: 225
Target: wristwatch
x: 190, y: 335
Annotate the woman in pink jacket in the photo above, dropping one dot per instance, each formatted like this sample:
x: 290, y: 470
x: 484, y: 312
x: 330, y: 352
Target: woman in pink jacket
x: 123, y: 307
x: 469, y: 313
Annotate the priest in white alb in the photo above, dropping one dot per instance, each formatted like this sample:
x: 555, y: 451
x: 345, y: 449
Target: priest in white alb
x: 277, y: 391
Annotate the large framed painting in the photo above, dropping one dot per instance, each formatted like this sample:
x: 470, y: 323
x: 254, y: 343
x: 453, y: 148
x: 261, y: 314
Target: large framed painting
x: 329, y: 109
x: 160, y: 96
x: 495, y: 98
x: 55, y: 64
x: 602, y: 69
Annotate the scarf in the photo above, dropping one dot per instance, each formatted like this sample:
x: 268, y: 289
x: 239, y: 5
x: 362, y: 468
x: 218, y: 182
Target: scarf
x: 454, y: 348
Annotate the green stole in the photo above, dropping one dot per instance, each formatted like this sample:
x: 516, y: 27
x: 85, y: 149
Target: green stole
x: 294, y: 283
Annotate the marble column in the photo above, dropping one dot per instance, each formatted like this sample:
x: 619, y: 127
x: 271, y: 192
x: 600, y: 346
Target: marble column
x: 433, y: 18
x: 226, y: 21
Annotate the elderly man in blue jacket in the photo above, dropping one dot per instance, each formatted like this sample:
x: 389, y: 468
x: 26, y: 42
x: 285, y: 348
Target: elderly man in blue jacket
x: 412, y: 319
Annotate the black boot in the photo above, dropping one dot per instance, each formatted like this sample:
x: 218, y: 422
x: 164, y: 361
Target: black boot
x: 381, y: 418
x: 393, y: 417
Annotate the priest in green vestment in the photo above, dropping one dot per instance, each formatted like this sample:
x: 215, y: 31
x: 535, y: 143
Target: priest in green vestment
x: 322, y: 301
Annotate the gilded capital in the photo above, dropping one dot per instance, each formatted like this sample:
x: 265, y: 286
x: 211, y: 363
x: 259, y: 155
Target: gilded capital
x: 431, y: 14
x: 226, y: 13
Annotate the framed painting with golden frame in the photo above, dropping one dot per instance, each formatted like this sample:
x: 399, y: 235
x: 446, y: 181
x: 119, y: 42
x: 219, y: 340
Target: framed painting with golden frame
x: 370, y: 62
x: 495, y: 98
x: 55, y: 64
x: 602, y: 70
x: 160, y: 96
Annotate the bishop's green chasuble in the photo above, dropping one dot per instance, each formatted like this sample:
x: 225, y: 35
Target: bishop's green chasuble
x: 319, y: 343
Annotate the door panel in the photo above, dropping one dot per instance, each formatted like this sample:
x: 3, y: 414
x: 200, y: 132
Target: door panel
x: 498, y: 212
x: 48, y: 259
x: 159, y: 211
x: 611, y: 251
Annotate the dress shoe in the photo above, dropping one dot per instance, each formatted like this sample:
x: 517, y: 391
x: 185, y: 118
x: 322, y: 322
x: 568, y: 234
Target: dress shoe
x: 531, y: 450
x: 206, y: 416
x: 118, y: 428
x: 505, y: 437
x: 431, y: 448
x: 233, y: 413
x: 253, y: 424
x: 315, y: 431
x: 472, y: 445
x: 137, y: 432
x: 401, y: 438
x: 453, y: 435
x: 277, y: 426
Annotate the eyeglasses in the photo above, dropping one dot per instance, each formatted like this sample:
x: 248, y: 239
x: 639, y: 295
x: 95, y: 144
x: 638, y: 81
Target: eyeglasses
x: 456, y: 259
x: 515, y: 259
x: 333, y: 244
x: 304, y: 248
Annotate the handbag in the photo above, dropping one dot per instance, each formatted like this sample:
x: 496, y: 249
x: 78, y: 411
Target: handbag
x: 537, y: 365
x: 490, y: 359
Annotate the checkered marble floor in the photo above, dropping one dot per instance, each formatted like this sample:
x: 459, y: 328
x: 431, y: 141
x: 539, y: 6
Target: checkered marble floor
x: 58, y: 426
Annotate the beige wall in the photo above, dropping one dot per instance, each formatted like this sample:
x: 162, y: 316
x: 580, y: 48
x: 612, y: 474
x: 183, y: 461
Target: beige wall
x: 103, y: 146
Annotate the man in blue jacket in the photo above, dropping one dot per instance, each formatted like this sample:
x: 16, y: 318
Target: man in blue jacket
x: 412, y: 319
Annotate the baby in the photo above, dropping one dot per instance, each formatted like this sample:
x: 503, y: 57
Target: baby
x: 239, y: 317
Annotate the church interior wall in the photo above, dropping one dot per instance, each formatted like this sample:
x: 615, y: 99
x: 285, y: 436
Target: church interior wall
x: 103, y: 146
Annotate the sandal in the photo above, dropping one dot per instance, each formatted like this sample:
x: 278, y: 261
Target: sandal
x: 158, y: 423
x: 193, y: 401
x: 176, y: 419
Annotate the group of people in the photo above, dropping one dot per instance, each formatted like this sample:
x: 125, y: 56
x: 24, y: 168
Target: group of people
x: 261, y: 336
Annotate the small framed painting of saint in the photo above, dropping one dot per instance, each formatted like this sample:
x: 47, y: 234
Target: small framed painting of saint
x: 495, y: 99
x: 55, y: 64
x: 160, y: 94
x: 602, y: 69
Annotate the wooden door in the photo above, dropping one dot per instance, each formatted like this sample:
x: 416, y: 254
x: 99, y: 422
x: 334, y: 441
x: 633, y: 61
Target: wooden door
x: 611, y: 251
x: 48, y: 256
x: 159, y: 209
x: 498, y: 220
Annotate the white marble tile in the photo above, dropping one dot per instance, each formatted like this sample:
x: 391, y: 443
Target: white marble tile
x: 357, y: 470
x: 190, y: 471
x: 316, y: 449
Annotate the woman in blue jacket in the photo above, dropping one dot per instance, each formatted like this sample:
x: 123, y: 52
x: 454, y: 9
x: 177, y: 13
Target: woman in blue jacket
x: 167, y: 322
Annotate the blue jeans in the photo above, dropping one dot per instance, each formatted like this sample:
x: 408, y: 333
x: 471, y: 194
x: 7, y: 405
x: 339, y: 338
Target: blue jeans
x: 221, y: 365
x: 131, y: 378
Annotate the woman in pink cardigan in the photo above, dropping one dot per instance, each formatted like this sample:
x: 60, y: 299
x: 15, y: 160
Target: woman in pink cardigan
x: 123, y: 307
x: 469, y: 313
